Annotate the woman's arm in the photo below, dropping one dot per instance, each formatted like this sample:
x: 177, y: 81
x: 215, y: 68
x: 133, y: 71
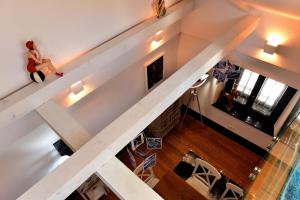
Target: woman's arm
x: 35, y: 56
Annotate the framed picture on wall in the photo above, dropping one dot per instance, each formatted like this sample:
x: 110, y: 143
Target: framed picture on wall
x: 154, y: 72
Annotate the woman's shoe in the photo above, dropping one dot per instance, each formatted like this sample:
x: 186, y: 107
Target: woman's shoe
x: 59, y: 74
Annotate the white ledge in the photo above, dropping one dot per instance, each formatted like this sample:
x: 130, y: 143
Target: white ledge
x: 32, y: 96
x: 106, y: 144
x: 70, y: 131
x: 124, y: 183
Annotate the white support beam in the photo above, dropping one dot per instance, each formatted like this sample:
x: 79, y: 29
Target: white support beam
x: 124, y: 183
x: 32, y: 96
x: 76, y: 136
x: 106, y: 144
x: 64, y: 125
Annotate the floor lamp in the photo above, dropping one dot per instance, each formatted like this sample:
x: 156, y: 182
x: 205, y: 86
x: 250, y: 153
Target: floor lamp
x: 194, y: 96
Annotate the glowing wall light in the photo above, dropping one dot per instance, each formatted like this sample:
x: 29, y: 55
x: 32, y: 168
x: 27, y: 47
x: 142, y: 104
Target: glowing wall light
x: 270, y: 48
x: 78, y: 91
x: 72, y: 98
x: 268, y: 53
x: 77, y: 87
x: 275, y: 39
x: 157, y: 40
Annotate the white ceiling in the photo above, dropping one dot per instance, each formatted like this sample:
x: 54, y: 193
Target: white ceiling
x: 287, y: 8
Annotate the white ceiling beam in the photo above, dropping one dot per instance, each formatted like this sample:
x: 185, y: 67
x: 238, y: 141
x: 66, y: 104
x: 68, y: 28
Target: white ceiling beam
x: 106, y: 144
x: 70, y: 131
x: 32, y: 96
x: 76, y: 136
x: 124, y: 183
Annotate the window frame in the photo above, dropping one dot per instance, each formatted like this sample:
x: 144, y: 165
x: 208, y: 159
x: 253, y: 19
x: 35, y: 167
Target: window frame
x: 247, y: 110
x: 266, y: 107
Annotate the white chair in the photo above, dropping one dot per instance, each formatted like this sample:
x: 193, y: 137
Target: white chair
x: 137, y: 141
x: 147, y: 176
x: 204, y: 178
x: 235, y: 191
x: 92, y: 189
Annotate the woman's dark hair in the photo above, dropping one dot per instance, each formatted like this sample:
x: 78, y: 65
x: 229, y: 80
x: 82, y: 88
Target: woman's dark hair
x: 29, y: 45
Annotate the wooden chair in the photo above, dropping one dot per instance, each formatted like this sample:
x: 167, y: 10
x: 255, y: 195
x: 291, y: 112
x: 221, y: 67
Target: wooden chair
x: 92, y: 189
x: 137, y: 141
x: 147, y: 176
x: 232, y: 192
x: 204, y: 178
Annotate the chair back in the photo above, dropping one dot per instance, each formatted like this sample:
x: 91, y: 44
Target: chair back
x: 206, y: 173
x: 232, y: 192
x: 145, y: 175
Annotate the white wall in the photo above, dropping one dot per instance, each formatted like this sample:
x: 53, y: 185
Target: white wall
x: 274, y: 72
x: 266, y: 69
x: 62, y: 30
x: 27, y: 143
x: 211, y: 19
x: 117, y: 66
x: 209, y: 93
x: 287, y: 30
x: 283, y: 117
x: 26, y: 161
x: 11, y: 133
x: 117, y: 95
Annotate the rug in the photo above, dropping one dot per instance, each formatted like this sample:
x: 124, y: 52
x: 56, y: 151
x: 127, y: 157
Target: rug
x: 185, y: 169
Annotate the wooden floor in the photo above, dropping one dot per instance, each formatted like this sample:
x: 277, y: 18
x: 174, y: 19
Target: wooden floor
x: 235, y: 161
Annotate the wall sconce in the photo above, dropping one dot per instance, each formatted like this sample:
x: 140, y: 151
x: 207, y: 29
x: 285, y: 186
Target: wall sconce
x: 270, y: 48
x: 158, y: 36
x: 76, y: 88
x: 157, y: 40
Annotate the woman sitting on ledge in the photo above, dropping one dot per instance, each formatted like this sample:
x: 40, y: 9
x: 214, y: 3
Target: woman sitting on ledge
x: 38, y: 67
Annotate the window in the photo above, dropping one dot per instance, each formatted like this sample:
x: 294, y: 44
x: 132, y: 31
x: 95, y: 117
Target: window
x: 258, y: 102
x: 246, y: 85
x: 268, y: 97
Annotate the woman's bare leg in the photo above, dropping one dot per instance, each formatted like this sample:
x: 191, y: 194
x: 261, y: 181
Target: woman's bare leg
x: 49, y: 65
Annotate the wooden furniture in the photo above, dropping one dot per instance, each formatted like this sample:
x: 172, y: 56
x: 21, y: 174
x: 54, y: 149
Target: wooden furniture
x: 172, y: 187
x: 204, y: 178
x: 235, y: 161
x: 235, y: 191
x: 92, y: 189
x: 162, y: 125
x: 147, y: 176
